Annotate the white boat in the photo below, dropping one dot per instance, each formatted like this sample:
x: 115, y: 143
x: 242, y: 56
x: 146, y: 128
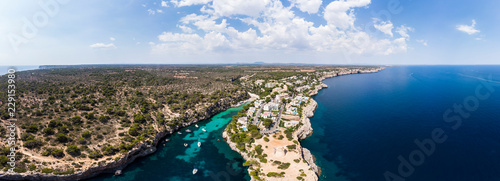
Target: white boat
x: 195, y: 170
x: 199, y: 144
x: 196, y: 125
x: 167, y: 140
x: 179, y: 133
x: 188, y: 130
x: 185, y: 145
x: 203, y: 129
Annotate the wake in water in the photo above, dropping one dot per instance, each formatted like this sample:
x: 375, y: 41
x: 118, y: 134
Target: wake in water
x: 480, y: 78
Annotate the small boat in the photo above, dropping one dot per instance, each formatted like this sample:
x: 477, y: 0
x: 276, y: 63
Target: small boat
x: 195, y: 170
x: 188, y: 130
x: 167, y: 140
x: 199, y: 144
x: 185, y: 145
x: 203, y: 129
x: 179, y: 133
x: 196, y: 125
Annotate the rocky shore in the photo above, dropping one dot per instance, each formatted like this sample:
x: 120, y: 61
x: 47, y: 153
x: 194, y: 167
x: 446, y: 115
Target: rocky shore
x: 141, y: 150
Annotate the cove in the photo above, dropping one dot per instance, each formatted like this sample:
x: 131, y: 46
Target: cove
x: 214, y: 159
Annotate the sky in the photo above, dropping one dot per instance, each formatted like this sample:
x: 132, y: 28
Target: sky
x: 366, y: 32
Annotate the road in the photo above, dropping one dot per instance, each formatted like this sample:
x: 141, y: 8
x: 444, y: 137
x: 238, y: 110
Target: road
x: 276, y: 123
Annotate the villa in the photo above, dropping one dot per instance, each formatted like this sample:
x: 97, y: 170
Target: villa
x: 290, y: 123
x: 266, y: 115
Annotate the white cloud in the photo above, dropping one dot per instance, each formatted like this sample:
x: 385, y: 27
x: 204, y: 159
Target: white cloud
x: 239, y: 7
x: 185, y: 29
x: 180, y: 3
x: 102, y: 45
x: 164, y: 4
x: 151, y: 12
x: 112, y: 38
x: 423, y: 42
x: 403, y: 31
x: 309, y: 6
x: 159, y: 11
x: 274, y: 27
x: 340, y: 13
x: 383, y: 26
x: 468, y: 29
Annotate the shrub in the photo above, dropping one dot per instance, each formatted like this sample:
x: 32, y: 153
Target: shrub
x: 62, y: 138
x: 73, y: 150
x: 86, y: 134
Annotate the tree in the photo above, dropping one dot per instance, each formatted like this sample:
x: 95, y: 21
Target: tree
x: 104, y: 119
x: 267, y: 122
x: 73, y: 150
x: 76, y: 120
x: 48, y: 131
x: 139, y: 118
x: 133, y: 131
x: 62, y: 138
x: 58, y: 153
x: 86, y: 134
x: 32, y: 129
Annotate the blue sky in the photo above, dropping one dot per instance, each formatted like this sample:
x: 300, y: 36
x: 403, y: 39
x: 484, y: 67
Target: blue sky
x: 246, y: 31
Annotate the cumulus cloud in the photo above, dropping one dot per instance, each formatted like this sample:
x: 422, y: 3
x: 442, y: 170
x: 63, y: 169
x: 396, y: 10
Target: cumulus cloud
x: 383, y: 26
x: 102, y: 45
x: 273, y: 26
x: 468, y: 29
x: 164, y: 4
x: 309, y: 6
x: 341, y: 14
x: 180, y: 3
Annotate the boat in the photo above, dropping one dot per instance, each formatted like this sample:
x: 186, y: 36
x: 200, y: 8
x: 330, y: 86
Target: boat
x: 203, y: 129
x: 196, y: 125
x: 199, y: 144
x: 195, y: 170
x: 179, y: 133
x: 167, y: 140
x: 188, y: 130
x: 185, y: 145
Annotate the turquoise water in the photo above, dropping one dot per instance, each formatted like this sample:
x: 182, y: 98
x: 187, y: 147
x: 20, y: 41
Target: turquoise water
x: 364, y: 122
x: 214, y: 159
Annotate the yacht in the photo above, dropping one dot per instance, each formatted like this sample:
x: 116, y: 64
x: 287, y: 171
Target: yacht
x: 203, y: 129
x: 185, y: 145
x: 195, y: 170
x: 199, y: 144
x: 188, y: 130
x: 196, y: 125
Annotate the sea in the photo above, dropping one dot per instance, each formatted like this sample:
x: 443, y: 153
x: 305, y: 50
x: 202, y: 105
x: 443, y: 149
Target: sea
x: 367, y: 126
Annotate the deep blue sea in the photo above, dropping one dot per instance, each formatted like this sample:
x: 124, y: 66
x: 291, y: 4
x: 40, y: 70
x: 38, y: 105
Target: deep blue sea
x: 365, y: 122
